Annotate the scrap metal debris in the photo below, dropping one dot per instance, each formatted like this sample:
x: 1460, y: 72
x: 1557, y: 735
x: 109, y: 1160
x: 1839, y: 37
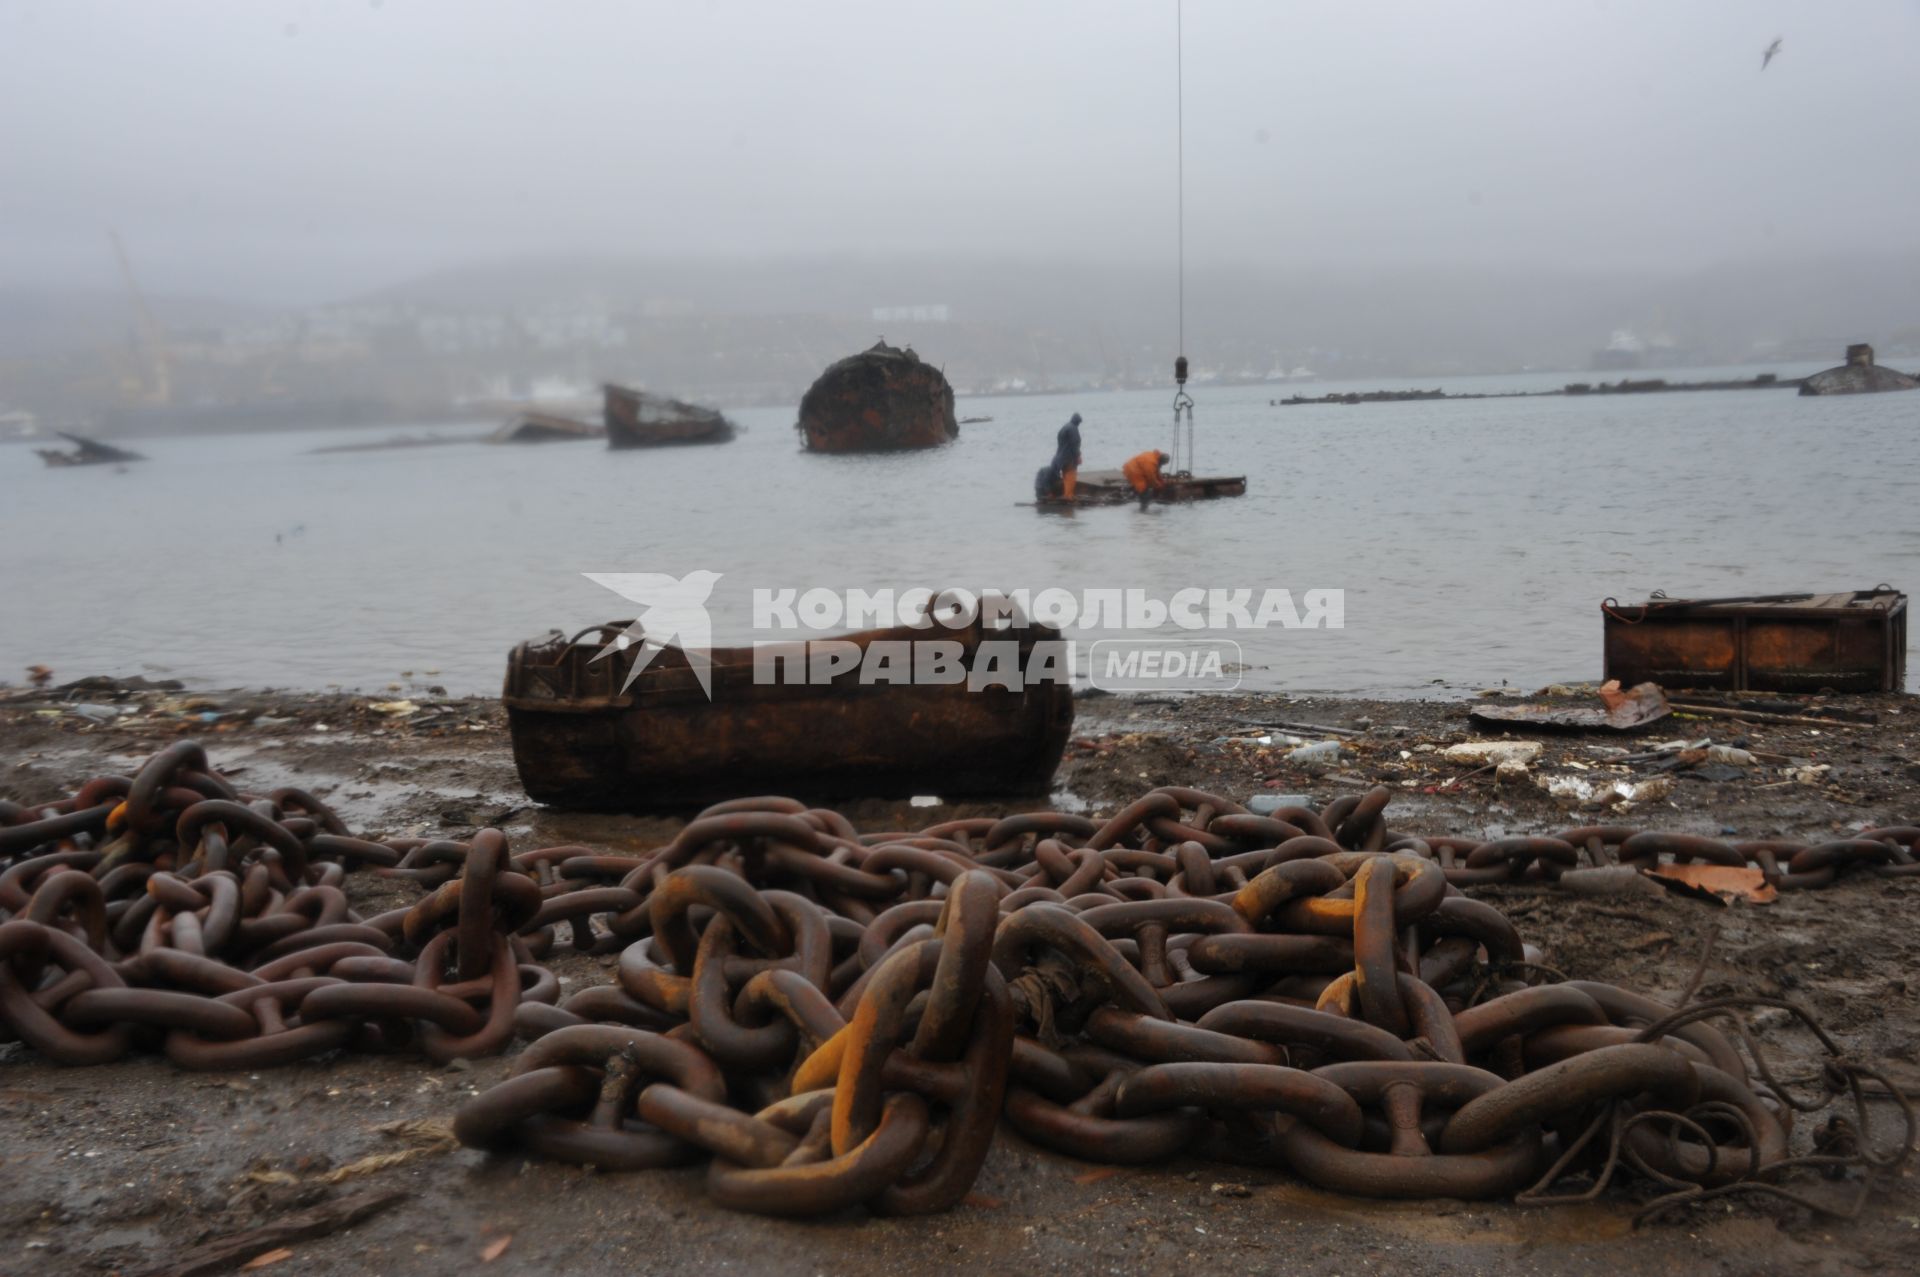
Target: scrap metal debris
x: 1718, y: 883
x: 1617, y: 711
x: 838, y: 1018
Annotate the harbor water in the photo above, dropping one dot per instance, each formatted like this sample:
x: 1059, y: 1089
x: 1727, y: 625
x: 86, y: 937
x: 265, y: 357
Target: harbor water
x: 1473, y: 540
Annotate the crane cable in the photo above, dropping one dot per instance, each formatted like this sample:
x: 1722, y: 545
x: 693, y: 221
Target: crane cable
x: 1182, y: 402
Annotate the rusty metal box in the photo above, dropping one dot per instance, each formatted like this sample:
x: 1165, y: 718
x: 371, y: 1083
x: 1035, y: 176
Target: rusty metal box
x: 583, y: 738
x: 1849, y: 642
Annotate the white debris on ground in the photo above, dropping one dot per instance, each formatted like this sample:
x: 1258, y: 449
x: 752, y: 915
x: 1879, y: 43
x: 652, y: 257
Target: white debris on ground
x: 1496, y: 752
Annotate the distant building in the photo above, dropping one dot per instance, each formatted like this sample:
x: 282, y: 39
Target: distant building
x: 561, y: 329
x: 1624, y: 350
x: 452, y: 334
x: 18, y: 423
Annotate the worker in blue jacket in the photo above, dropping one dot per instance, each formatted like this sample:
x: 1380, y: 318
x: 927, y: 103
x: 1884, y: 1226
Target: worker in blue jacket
x: 1066, y: 456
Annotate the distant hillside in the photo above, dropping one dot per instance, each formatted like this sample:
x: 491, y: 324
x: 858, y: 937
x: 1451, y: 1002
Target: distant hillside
x: 759, y: 331
x: 1384, y: 319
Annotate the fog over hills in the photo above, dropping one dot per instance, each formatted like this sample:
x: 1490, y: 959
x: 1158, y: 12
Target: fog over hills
x: 1399, y: 319
x: 426, y: 204
x: 1010, y: 319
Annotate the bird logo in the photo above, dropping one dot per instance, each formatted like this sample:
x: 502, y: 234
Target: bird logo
x: 672, y: 610
x: 1773, y: 51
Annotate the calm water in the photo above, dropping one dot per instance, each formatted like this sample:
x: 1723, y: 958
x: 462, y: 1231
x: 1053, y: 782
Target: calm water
x: 1474, y: 540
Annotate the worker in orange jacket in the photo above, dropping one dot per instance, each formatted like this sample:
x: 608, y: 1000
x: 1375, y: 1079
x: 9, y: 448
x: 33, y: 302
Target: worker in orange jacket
x: 1143, y: 472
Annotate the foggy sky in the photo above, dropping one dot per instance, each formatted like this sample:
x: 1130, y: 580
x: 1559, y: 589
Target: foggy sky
x: 305, y: 150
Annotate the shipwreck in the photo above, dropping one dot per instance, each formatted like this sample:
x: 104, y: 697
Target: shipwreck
x: 86, y: 452
x: 636, y: 419
x: 886, y: 399
x: 1859, y: 375
x: 545, y: 427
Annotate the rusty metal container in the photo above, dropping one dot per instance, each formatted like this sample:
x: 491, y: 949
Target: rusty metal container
x: 580, y: 741
x: 1849, y: 642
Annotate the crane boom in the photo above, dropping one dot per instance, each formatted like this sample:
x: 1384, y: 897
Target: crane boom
x: 152, y: 340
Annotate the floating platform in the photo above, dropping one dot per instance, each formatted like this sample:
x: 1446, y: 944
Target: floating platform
x: 1110, y: 487
x: 1855, y: 641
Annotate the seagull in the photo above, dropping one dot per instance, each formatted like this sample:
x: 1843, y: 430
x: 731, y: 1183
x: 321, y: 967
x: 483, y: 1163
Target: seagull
x: 670, y: 608
x: 1773, y: 51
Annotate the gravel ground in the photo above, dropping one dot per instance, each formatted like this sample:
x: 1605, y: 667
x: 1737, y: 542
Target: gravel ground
x: 127, y: 1166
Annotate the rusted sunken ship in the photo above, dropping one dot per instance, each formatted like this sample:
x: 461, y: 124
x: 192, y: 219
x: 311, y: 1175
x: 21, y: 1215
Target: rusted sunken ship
x: 886, y: 399
x: 1858, y: 376
x: 636, y: 419
x: 545, y: 427
x: 582, y: 741
x: 86, y: 452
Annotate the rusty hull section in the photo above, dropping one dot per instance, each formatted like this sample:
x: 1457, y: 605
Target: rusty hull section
x: 1853, y: 641
x: 579, y: 742
x: 886, y: 399
x: 636, y: 419
x: 545, y: 427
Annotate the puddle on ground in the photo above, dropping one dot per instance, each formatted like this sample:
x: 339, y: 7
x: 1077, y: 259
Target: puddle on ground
x: 1066, y: 800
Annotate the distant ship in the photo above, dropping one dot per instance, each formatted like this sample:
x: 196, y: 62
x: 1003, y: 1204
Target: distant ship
x: 1623, y: 352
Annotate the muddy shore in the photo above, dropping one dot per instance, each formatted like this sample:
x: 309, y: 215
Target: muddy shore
x: 123, y: 1167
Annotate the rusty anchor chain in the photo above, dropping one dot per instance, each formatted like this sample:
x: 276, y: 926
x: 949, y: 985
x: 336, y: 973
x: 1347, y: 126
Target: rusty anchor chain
x: 830, y: 1019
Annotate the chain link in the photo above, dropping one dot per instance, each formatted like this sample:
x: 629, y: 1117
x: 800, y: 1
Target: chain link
x: 833, y: 1019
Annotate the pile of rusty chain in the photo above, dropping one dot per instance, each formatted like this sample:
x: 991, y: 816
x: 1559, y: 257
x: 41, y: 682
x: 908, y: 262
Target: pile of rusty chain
x: 837, y: 1018
x: 212, y: 925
